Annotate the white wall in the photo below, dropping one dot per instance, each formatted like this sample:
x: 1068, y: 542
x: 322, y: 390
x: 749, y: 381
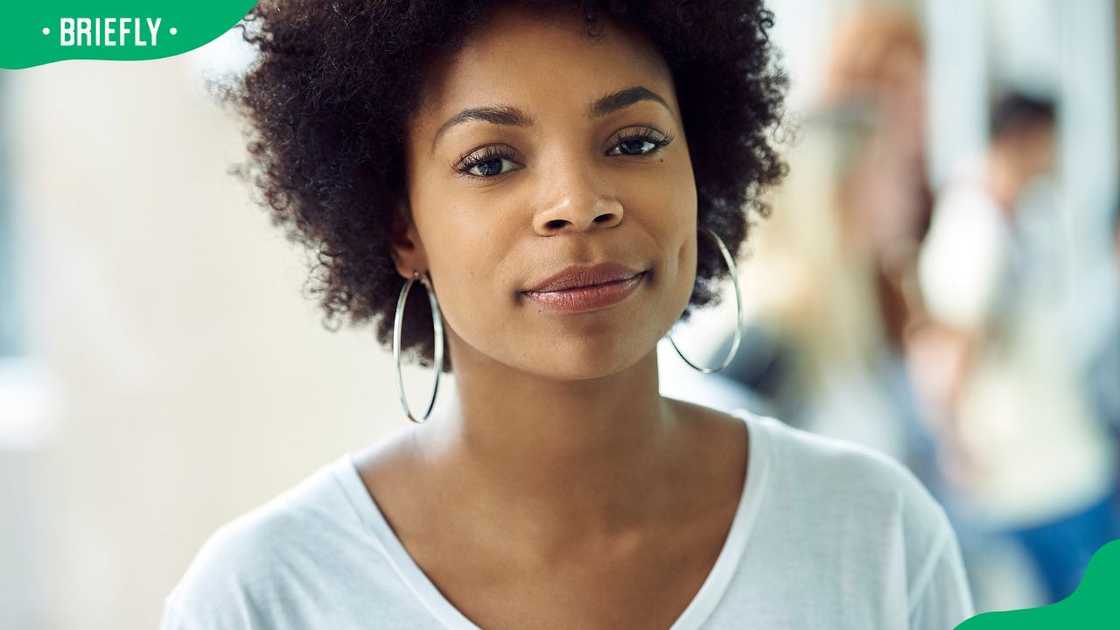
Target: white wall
x: 193, y: 380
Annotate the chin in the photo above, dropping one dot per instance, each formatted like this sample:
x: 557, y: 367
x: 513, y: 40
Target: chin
x: 583, y: 359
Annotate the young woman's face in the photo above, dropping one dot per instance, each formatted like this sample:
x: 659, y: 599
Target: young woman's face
x: 563, y: 167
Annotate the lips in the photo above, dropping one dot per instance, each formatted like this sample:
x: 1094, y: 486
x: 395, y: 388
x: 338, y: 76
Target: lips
x: 583, y: 288
x: 582, y: 276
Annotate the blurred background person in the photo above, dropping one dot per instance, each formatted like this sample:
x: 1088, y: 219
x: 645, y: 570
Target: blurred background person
x: 140, y: 289
x: 848, y: 345
x: 1026, y: 451
x: 878, y: 64
x: 828, y: 351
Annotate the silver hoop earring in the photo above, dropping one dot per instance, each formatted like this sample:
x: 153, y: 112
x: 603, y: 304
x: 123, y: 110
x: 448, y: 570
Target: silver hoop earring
x: 437, y: 325
x: 738, y: 312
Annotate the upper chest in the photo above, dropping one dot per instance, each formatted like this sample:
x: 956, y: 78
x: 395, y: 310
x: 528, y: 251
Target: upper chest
x: 646, y: 587
x: 646, y: 580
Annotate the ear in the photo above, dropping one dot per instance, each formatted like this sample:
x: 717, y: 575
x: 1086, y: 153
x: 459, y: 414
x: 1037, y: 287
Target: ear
x: 404, y: 243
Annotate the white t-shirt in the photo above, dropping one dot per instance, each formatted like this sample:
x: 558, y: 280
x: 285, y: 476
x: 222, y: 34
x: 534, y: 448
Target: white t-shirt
x: 965, y: 258
x: 826, y: 535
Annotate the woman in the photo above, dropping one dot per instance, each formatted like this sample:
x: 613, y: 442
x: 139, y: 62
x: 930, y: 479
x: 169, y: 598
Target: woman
x: 504, y: 153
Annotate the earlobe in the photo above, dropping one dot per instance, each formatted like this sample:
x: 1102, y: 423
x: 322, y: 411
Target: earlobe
x: 404, y: 243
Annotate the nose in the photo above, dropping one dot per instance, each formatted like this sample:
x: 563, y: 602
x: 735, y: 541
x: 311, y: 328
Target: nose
x: 578, y: 202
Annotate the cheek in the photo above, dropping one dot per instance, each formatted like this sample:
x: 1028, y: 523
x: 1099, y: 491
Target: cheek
x: 678, y: 198
x: 665, y: 198
x: 665, y: 204
x: 461, y: 263
x: 466, y: 254
x: 685, y: 259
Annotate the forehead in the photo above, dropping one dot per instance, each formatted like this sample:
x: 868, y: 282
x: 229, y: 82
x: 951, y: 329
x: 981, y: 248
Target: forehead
x: 541, y: 61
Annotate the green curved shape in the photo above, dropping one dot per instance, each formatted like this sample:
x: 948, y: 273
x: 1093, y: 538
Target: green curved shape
x: 36, y: 32
x: 1094, y: 605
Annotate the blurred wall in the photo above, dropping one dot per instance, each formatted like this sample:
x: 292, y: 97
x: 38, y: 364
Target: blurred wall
x: 193, y: 381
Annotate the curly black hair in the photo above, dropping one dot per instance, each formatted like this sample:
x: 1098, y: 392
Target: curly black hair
x: 329, y: 96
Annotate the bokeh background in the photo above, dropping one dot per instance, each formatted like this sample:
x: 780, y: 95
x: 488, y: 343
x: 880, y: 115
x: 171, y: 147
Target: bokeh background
x: 938, y: 280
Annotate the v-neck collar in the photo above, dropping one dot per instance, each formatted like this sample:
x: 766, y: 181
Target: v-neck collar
x: 697, y: 611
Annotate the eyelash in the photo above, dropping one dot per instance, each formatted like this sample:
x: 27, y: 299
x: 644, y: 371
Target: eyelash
x: 490, y: 154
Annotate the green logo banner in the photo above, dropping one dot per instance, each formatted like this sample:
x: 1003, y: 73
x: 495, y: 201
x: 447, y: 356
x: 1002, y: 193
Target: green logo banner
x: 1095, y: 604
x: 45, y: 31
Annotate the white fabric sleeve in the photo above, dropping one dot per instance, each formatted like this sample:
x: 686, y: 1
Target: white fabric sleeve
x: 226, y: 586
x: 940, y: 597
x: 172, y: 619
x: 216, y: 616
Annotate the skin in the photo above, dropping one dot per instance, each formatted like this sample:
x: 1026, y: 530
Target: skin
x: 579, y: 497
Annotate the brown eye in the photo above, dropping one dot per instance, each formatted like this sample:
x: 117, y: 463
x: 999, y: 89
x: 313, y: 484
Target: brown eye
x: 486, y: 163
x: 640, y: 143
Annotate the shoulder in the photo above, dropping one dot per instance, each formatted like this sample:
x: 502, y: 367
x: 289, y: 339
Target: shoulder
x: 848, y: 483
x: 846, y: 505
x: 260, y: 556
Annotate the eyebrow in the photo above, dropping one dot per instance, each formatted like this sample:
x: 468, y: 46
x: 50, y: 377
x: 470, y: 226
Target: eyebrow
x: 512, y: 116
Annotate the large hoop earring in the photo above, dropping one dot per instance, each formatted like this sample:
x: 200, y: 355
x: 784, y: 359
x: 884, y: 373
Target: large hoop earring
x: 437, y: 324
x: 727, y: 258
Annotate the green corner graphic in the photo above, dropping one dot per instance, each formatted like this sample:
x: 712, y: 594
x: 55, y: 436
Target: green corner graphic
x: 1094, y: 605
x: 36, y: 33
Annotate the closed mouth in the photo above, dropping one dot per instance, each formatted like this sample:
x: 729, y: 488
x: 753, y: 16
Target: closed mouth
x: 591, y: 286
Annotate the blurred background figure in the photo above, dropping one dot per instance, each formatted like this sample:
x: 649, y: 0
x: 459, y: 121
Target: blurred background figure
x: 1027, y: 453
x: 939, y: 279
x: 947, y: 330
x: 829, y: 354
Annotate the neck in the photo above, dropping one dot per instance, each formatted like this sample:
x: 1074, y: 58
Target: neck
x: 553, y: 457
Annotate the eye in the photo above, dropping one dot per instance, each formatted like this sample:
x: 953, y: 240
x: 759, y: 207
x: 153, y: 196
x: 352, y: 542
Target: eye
x: 486, y: 163
x: 641, y: 142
